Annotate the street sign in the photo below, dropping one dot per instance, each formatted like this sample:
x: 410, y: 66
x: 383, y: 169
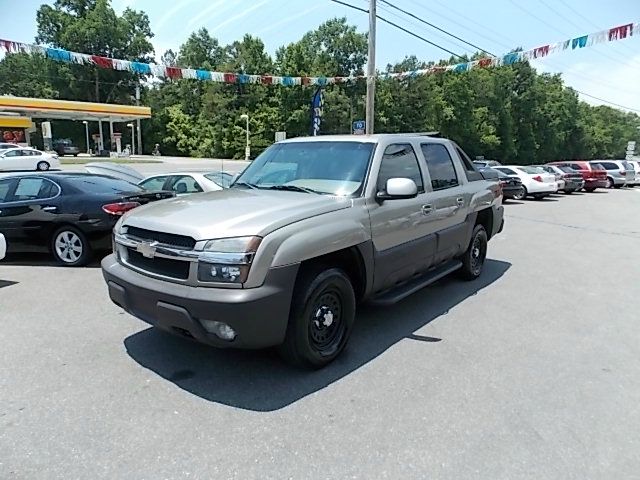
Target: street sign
x: 281, y: 136
x: 631, y: 148
x: 46, y: 129
x: 359, y: 127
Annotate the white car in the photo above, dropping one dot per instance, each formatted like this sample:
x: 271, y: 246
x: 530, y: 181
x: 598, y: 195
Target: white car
x: 3, y: 247
x: 536, y: 182
x: 27, y: 158
x: 6, y: 146
x: 636, y: 168
x: 184, y: 183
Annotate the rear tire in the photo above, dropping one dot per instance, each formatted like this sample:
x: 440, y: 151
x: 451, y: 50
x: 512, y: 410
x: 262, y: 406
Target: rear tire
x: 70, y: 247
x: 521, y: 194
x: 322, y: 314
x: 617, y: 186
x: 43, y: 166
x: 473, y: 259
x: 568, y: 192
x: 610, y: 182
x: 590, y: 190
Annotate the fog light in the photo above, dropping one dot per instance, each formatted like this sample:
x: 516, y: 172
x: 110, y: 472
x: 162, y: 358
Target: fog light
x: 220, y: 329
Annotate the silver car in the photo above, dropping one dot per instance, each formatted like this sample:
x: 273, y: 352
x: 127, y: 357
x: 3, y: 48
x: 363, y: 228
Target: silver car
x: 619, y: 172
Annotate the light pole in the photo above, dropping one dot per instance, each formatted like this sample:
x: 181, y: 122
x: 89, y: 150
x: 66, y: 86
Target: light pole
x: 130, y: 125
x: 371, y: 69
x: 86, y: 131
x: 247, y: 148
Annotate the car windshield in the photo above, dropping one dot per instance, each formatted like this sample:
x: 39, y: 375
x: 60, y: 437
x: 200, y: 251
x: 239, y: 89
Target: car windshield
x: 100, y: 184
x: 567, y: 169
x: 222, y: 179
x: 329, y: 167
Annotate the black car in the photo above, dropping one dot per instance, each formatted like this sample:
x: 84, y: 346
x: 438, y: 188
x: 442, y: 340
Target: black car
x: 511, y: 186
x: 68, y: 214
x: 65, y: 147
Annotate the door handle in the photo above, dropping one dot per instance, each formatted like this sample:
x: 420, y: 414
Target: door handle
x: 427, y: 209
x: 49, y: 209
x: 460, y: 202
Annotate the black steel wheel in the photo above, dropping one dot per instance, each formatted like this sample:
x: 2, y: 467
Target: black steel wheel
x: 322, y: 315
x: 473, y: 259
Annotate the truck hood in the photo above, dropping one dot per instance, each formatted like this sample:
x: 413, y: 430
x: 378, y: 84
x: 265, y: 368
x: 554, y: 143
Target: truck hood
x: 232, y: 213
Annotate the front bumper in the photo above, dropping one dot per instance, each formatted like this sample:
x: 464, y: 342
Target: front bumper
x: 259, y: 316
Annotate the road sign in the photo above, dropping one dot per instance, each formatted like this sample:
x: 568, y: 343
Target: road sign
x: 281, y: 136
x: 46, y: 129
x: 631, y: 148
x: 359, y: 127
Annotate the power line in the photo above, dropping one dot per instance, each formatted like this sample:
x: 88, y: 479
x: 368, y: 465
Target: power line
x: 400, y: 28
x: 436, y: 27
x: 417, y: 25
x: 605, y: 101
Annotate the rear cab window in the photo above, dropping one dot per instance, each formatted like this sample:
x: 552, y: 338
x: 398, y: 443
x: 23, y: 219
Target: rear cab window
x: 440, y: 166
x: 469, y: 168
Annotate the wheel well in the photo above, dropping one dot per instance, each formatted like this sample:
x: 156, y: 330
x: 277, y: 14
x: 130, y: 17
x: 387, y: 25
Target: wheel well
x: 350, y: 260
x: 485, y: 218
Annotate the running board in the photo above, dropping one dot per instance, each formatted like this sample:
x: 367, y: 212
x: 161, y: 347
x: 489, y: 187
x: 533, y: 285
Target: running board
x: 412, y: 286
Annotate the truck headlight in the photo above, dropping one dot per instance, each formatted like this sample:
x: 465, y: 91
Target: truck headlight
x: 227, y: 260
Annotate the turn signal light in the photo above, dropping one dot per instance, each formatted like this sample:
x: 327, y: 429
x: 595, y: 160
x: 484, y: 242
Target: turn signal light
x: 120, y: 208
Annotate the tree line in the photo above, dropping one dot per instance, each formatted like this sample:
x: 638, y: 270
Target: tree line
x: 509, y: 113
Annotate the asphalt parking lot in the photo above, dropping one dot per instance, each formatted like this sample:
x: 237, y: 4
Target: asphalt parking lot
x: 530, y: 372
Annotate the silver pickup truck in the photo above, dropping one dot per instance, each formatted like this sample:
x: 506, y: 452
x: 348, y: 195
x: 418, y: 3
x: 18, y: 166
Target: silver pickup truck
x: 310, y: 229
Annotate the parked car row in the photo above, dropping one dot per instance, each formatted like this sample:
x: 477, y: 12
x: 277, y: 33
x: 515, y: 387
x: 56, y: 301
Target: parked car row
x: 16, y: 158
x: 539, y: 181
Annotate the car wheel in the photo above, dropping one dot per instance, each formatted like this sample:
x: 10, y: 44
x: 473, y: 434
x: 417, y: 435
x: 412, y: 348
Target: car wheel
x: 610, y: 183
x: 43, y: 166
x: 70, y: 247
x: 322, y: 314
x: 539, y: 196
x: 473, y: 259
x: 75, y: 154
x: 617, y: 186
x: 520, y: 194
x: 590, y: 190
x: 568, y: 192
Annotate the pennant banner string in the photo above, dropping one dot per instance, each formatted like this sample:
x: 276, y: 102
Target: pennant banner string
x: 161, y: 71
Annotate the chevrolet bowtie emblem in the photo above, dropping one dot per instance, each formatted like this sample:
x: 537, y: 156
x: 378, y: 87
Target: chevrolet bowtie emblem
x: 147, y: 249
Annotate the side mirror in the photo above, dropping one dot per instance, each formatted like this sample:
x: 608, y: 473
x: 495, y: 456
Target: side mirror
x: 398, y: 189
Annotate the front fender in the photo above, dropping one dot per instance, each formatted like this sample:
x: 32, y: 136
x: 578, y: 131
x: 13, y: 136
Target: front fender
x: 307, y: 239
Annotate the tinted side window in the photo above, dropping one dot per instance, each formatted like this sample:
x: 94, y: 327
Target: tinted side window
x: 34, y: 188
x: 13, y: 152
x: 5, y: 187
x: 399, y: 161
x: 440, y: 166
x: 609, y: 165
x: 185, y: 184
x: 466, y: 161
x: 575, y: 166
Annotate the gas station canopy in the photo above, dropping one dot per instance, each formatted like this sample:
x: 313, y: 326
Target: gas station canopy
x: 67, y: 110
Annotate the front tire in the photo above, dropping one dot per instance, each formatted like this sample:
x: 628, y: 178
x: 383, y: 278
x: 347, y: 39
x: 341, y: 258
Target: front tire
x: 473, y: 259
x: 589, y: 190
x: 322, y: 314
x: 43, y: 166
x: 610, y: 182
x: 70, y: 247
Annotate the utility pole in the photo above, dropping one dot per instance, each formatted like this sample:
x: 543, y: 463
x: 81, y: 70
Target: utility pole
x: 138, y: 122
x: 371, y: 68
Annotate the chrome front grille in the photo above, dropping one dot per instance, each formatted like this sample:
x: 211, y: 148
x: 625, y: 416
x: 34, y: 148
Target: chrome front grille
x: 169, y: 239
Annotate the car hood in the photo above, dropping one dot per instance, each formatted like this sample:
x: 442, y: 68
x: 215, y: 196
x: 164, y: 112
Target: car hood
x: 232, y: 212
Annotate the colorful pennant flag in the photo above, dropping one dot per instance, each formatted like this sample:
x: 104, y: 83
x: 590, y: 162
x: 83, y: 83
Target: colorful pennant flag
x: 161, y: 71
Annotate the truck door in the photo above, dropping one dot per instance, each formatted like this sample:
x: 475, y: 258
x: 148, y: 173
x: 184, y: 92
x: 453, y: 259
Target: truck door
x: 449, y: 199
x: 402, y: 238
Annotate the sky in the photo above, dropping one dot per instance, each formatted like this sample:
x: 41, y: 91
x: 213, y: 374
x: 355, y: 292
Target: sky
x: 610, y: 71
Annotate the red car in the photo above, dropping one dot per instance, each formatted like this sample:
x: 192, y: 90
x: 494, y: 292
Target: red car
x: 594, y: 175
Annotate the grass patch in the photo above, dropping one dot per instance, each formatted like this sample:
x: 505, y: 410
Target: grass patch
x: 83, y: 160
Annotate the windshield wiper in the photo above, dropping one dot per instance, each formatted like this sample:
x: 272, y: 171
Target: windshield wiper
x: 293, y: 188
x: 245, y: 184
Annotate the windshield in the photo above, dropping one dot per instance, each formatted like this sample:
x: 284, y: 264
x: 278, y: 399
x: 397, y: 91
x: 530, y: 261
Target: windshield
x: 222, y: 179
x: 99, y: 184
x: 533, y: 170
x: 336, y: 168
